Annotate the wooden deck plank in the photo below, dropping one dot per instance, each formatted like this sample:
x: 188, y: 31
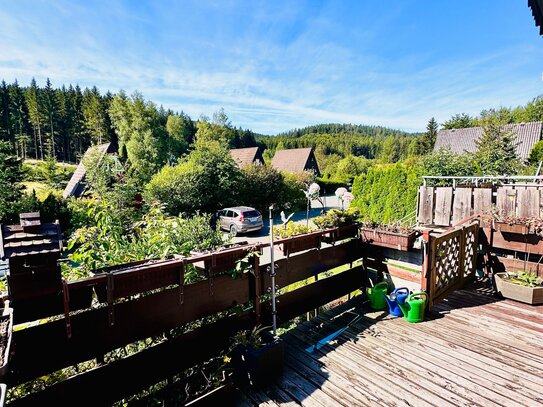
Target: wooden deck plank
x: 398, y: 357
x: 413, y: 393
x: 473, y: 350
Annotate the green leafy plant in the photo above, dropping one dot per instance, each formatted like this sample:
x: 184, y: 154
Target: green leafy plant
x: 291, y: 229
x: 250, y: 338
x: 245, y: 264
x: 335, y: 217
x: 524, y: 278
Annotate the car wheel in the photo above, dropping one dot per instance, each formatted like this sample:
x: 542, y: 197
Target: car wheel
x: 233, y: 230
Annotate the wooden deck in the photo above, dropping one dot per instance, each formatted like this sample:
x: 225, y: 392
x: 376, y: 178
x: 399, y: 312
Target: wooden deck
x: 473, y: 350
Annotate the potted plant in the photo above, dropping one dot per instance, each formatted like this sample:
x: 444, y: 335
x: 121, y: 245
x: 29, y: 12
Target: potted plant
x: 520, y: 286
x: 296, y: 237
x: 343, y: 223
x: 257, y: 356
x: 391, y: 236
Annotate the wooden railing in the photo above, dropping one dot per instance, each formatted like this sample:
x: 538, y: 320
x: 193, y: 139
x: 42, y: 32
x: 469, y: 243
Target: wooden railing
x: 131, y: 312
x: 146, y: 300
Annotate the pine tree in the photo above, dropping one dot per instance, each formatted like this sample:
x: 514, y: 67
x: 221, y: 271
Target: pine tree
x: 18, y: 117
x: 4, y: 112
x: 496, y: 152
x: 51, y: 113
x: 35, y: 117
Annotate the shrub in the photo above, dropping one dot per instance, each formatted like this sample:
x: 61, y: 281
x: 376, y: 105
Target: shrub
x: 291, y: 229
x: 261, y: 187
x: 292, y: 197
x: 335, y: 217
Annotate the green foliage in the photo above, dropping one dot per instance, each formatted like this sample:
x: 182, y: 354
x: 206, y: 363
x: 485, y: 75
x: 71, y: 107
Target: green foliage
x: 460, y: 121
x: 425, y: 143
x: 291, y: 229
x: 249, y: 338
x: 446, y: 163
x: 335, y: 218
x: 387, y: 193
x: 292, y: 197
x: 206, y: 180
x: 525, y: 279
x: 10, y: 183
x: 536, y: 154
x: 142, y: 134
x: 109, y: 242
x: 496, y: 153
x: 56, y: 177
x: 100, y: 170
x: 261, y: 186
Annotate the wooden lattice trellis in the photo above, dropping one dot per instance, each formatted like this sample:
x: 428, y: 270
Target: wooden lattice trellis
x: 453, y: 260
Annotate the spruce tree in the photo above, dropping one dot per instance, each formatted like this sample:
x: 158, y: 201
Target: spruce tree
x: 496, y: 152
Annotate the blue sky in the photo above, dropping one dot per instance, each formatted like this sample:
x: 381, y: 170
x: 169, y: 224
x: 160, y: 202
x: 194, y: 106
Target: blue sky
x: 277, y: 65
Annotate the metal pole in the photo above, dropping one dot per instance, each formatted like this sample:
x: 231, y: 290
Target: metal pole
x: 272, y: 274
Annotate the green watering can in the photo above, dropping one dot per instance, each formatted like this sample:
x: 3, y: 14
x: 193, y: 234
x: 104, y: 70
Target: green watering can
x: 414, y: 306
x: 377, y: 294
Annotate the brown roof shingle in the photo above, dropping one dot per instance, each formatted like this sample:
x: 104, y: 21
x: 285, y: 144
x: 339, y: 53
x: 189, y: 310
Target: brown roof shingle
x: 463, y: 140
x: 295, y: 160
x: 246, y: 156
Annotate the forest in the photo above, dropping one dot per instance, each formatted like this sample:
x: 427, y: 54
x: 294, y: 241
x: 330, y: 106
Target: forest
x: 184, y: 164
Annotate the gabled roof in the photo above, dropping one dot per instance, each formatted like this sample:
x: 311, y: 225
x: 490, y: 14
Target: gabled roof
x: 463, y: 140
x: 30, y: 237
x: 295, y: 160
x: 76, y: 185
x: 537, y: 12
x: 246, y: 156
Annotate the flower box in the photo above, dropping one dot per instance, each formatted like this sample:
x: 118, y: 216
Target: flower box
x: 517, y: 292
x: 519, y: 228
x: 6, y: 330
x: 259, y: 366
x: 223, y: 260
x: 341, y: 233
x: 300, y: 243
x: 384, y: 238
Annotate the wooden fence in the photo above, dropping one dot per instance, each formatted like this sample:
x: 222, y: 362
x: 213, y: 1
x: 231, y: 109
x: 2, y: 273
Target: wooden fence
x: 447, y: 206
x: 452, y: 260
x: 126, y: 317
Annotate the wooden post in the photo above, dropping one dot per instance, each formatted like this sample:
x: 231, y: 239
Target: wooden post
x: 258, y: 285
x: 426, y: 272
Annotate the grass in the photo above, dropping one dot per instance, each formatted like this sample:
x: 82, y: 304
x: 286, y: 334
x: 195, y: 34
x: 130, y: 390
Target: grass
x: 42, y: 190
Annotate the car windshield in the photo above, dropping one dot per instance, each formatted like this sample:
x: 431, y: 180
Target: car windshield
x: 251, y: 214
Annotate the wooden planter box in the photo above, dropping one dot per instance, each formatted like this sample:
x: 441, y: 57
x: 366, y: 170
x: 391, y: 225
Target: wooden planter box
x: 300, y: 243
x: 341, y: 233
x: 518, y: 228
x: 259, y: 366
x: 517, y: 292
x: 6, y: 318
x: 391, y: 240
x: 137, y: 277
x: 223, y: 260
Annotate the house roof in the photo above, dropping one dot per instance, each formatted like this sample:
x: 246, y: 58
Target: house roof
x: 246, y: 156
x: 76, y: 185
x: 463, y: 140
x: 293, y: 160
x: 537, y: 12
x: 15, y: 241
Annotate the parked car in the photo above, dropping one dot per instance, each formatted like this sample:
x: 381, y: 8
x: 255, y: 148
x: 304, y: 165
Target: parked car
x: 240, y: 219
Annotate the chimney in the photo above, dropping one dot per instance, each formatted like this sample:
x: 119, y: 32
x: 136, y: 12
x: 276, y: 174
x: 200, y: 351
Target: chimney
x: 30, y: 222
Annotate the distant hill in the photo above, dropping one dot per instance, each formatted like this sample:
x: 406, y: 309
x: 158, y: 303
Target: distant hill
x: 338, y: 128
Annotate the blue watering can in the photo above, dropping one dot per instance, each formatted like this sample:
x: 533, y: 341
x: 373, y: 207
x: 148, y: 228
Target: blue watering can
x: 395, y: 299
